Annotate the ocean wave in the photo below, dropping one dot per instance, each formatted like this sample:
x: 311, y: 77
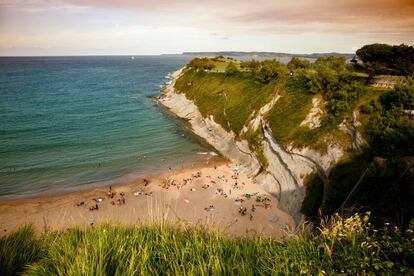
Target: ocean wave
x: 211, y: 153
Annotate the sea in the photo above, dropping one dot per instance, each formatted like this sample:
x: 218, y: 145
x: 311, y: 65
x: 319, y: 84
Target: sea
x: 70, y: 123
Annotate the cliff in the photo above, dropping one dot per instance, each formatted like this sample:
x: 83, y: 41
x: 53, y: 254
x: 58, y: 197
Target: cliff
x: 286, y: 170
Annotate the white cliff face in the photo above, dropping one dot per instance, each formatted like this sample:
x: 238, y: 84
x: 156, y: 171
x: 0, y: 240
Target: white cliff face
x: 351, y: 128
x: 313, y: 119
x: 223, y: 141
x: 286, y: 169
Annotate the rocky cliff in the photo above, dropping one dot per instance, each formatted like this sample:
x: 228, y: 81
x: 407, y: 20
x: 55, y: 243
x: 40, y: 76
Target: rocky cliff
x: 286, y: 169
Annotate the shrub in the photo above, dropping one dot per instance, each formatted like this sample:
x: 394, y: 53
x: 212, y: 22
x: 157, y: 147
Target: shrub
x: 231, y: 69
x: 298, y: 63
x: 270, y: 70
x: 250, y: 65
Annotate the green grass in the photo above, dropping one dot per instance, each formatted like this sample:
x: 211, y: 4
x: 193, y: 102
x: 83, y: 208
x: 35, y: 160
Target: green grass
x: 230, y: 100
x: 19, y: 249
x: 222, y: 63
x: 343, y: 246
x: 289, y: 111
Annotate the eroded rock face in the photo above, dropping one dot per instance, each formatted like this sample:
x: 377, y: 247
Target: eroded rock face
x: 286, y: 169
x: 214, y: 134
x: 313, y: 119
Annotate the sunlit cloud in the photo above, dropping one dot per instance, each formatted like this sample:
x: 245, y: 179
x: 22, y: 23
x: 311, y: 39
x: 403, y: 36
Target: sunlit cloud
x: 160, y: 26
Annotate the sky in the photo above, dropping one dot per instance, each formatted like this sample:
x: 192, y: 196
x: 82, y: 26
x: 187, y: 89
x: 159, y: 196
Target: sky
x: 134, y: 27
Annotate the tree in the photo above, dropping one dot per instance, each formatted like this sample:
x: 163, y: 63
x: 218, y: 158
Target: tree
x: 270, y: 70
x: 202, y: 63
x: 333, y: 80
x: 330, y: 73
x: 251, y: 65
x: 392, y: 132
x: 298, y: 63
x: 386, y: 59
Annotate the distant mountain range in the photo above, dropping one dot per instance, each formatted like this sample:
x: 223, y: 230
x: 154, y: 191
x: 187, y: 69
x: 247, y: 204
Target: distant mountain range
x: 266, y: 55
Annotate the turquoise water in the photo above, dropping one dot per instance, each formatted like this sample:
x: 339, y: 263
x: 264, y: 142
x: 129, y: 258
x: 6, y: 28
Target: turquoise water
x: 71, y: 121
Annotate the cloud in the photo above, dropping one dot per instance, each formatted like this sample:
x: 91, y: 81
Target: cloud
x: 160, y: 26
x: 259, y: 16
x: 370, y: 16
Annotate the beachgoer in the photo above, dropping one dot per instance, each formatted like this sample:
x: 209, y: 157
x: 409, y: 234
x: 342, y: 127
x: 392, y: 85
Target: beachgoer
x: 146, y: 182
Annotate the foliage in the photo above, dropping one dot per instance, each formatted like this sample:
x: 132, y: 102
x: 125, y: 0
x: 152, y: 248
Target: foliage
x: 386, y: 191
x: 347, y: 246
x: 295, y: 103
x: 391, y: 132
x: 251, y: 65
x: 342, y: 180
x: 329, y: 75
x: 230, y: 100
x: 270, y: 70
x: 386, y: 59
x: 202, y: 63
x: 334, y: 81
x: 231, y: 69
x: 18, y: 250
x: 298, y: 63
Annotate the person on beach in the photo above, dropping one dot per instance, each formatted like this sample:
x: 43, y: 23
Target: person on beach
x: 93, y: 208
x: 111, y: 193
x: 146, y: 182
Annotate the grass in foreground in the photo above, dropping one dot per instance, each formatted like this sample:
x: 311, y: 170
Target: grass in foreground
x: 345, y: 246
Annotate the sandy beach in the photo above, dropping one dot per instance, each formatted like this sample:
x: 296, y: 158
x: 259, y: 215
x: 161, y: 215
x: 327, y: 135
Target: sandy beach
x: 216, y: 196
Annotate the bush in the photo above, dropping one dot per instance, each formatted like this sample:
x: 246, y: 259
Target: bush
x: 250, y: 65
x: 392, y: 132
x: 298, y: 63
x: 334, y: 81
x: 231, y: 69
x: 270, y: 70
x: 202, y: 63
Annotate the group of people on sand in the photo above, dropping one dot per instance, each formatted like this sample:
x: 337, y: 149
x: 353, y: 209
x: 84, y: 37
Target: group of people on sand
x: 243, y: 211
x: 120, y: 200
x: 172, y: 182
x: 111, y: 195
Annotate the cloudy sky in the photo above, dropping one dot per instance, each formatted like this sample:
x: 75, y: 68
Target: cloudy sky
x: 99, y: 27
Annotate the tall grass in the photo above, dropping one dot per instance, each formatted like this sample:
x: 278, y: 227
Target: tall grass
x: 342, y: 246
x: 19, y: 249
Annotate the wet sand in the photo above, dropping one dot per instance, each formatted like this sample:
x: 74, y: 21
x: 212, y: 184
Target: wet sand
x: 209, y: 197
